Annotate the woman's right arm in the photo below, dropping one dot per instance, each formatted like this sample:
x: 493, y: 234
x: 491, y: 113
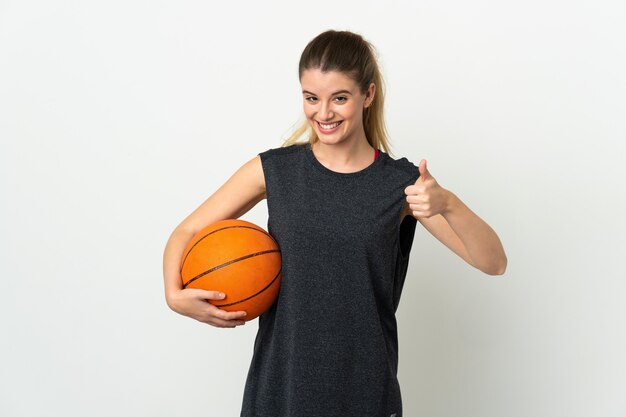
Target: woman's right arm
x: 239, y: 194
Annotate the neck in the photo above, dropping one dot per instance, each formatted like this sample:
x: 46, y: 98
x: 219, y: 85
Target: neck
x: 347, y: 156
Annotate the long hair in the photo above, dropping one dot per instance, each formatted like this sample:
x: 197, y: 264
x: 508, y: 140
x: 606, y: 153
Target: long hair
x: 350, y: 54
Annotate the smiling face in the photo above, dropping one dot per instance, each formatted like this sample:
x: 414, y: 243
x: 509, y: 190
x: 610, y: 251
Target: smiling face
x: 333, y: 105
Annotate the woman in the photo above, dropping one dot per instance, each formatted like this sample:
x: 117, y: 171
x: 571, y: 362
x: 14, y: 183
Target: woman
x: 344, y: 214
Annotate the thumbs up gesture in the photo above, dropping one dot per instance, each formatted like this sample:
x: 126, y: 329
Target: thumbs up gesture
x: 426, y: 197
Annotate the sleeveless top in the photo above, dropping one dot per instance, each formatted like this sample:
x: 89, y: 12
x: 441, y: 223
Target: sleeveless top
x: 328, y: 346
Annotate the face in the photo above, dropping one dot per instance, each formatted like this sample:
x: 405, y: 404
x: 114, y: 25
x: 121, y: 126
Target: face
x: 333, y: 105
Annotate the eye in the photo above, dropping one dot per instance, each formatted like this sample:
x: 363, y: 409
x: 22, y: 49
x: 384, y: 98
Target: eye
x: 341, y: 99
x: 310, y: 99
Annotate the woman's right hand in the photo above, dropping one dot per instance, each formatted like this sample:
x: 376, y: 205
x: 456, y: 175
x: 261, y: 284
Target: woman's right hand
x: 233, y: 199
x: 192, y: 302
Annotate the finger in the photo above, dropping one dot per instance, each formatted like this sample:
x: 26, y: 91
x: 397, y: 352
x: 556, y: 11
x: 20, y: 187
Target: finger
x: 223, y: 318
x: 206, y: 294
x: 420, y: 207
x: 226, y: 315
x: 416, y: 199
x: 421, y: 213
x: 415, y: 189
x: 216, y: 322
x: 424, y: 174
x: 234, y: 315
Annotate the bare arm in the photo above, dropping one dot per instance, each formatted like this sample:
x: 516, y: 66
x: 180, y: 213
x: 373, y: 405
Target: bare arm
x: 239, y: 194
x: 448, y: 219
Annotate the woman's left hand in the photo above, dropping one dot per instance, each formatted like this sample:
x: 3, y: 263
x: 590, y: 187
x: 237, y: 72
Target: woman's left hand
x: 458, y: 227
x: 426, y: 197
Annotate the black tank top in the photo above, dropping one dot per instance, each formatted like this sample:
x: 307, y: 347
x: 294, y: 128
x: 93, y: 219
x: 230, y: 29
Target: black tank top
x: 328, y: 347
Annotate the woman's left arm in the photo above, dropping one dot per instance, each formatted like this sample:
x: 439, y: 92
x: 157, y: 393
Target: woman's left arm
x: 448, y: 219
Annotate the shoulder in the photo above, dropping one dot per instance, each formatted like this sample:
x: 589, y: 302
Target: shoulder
x: 251, y: 173
x: 402, y: 164
x: 280, y: 152
x: 280, y: 160
x: 403, y: 168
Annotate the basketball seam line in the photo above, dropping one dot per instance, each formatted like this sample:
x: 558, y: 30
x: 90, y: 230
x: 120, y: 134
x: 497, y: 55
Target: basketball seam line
x: 252, y: 296
x: 182, y: 264
x: 208, y: 271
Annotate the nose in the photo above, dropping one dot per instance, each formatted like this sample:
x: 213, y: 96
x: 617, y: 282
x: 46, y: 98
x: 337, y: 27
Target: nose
x: 326, y: 111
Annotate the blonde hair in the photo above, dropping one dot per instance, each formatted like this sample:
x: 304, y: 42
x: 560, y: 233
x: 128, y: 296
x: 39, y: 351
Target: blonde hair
x: 350, y: 54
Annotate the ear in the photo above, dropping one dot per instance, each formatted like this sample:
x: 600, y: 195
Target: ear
x: 369, y: 95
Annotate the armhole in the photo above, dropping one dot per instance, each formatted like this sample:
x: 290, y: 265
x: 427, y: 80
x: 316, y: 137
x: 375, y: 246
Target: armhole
x: 406, y: 230
x: 406, y: 235
x: 262, y: 157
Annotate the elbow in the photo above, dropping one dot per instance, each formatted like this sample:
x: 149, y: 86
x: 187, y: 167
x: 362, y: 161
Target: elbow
x: 497, y: 268
x: 497, y: 272
x: 493, y: 266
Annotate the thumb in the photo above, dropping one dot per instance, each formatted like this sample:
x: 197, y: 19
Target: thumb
x: 424, y: 174
x: 207, y: 294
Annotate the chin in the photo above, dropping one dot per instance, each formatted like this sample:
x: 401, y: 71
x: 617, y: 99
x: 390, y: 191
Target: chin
x: 329, y: 141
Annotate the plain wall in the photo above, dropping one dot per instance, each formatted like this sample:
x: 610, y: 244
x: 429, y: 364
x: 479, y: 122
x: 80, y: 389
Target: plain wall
x: 118, y: 118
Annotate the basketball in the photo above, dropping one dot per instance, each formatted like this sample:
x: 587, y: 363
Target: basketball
x: 237, y: 258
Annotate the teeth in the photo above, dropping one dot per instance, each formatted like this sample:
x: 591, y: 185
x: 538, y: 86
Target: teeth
x: 331, y: 126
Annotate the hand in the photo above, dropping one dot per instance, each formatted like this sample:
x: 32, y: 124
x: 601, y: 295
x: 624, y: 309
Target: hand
x: 426, y: 197
x: 192, y: 302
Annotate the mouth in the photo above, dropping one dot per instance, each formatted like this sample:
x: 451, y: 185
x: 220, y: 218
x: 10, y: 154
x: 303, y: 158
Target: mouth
x: 328, y: 127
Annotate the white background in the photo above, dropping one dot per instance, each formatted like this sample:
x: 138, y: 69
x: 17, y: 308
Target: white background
x: 118, y: 118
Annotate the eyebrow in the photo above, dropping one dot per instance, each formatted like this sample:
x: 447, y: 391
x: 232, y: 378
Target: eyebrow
x: 333, y: 94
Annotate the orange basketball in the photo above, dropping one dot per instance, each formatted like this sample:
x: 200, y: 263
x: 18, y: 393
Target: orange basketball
x: 237, y: 258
